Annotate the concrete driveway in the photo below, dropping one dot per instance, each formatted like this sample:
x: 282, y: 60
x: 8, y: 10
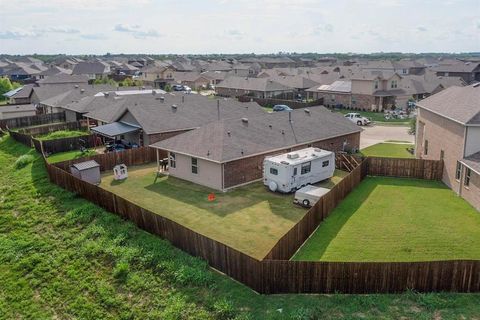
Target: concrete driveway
x: 374, y: 134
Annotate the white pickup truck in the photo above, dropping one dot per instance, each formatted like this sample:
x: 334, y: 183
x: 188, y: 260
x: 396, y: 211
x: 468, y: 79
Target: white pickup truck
x: 357, y: 118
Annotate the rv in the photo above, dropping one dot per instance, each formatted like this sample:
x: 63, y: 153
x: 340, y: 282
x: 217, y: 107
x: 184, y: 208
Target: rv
x: 291, y: 171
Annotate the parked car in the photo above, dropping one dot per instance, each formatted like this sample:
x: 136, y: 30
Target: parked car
x: 281, y: 107
x: 177, y: 87
x: 187, y: 88
x: 357, y: 118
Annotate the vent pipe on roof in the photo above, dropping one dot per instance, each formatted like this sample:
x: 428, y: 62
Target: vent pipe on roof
x: 82, y: 90
x: 245, y: 120
x: 174, y: 106
x: 183, y: 99
x: 76, y: 86
x: 306, y: 110
x: 218, y: 109
x: 289, y: 116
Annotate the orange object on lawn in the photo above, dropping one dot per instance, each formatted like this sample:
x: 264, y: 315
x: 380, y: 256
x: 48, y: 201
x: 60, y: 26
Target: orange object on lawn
x: 211, y: 197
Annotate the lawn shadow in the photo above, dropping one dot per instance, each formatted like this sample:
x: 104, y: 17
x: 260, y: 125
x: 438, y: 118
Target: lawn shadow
x: 349, y: 206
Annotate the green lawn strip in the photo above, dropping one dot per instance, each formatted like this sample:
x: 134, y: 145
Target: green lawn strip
x: 69, y: 155
x: 62, y: 134
x: 389, y: 150
x: 394, y: 219
x: 249, y: 218
x: 62, y: 257
x: 377, y: 117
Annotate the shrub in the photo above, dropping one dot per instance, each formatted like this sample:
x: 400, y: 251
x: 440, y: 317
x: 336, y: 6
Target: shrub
x: 23, y: 161
x: 121, y: 270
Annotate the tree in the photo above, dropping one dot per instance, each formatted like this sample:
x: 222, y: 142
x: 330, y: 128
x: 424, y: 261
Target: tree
x: 5, y: 86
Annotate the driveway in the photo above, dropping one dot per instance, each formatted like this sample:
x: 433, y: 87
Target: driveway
x: 375, y: 134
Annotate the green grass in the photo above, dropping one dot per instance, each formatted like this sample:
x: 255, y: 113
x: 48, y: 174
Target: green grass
x: 62, y: 134
x: 250, y: 219
x: 69, y: 155
x: 389, y: 150
x: 377, y: 117
x: 394, y: 219
x: 62, y: 257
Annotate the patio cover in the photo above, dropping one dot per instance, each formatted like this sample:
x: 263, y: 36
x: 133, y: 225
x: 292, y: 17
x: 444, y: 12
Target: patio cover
x: 114, y: 129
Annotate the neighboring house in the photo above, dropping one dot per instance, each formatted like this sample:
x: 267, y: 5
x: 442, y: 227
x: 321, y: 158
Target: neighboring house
x: 158, y: 116
x: 62, y: 78
x: 21, y: 95
x: 448, y: 128
x: 158, y: 75
x: 17, y: 111
x: 230, y: 152
x: 94, y: 70
x: 255, y: 87
x: 194, y: 80
x: 299, y: 83
x: 337, y: 93
x: 468, y: 71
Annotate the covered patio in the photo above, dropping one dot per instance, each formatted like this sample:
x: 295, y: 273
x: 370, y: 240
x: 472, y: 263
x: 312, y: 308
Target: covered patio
x: 118, y: 136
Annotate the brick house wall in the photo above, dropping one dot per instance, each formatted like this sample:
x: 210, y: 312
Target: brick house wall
x: 362, y: 101
x: 249, y: 169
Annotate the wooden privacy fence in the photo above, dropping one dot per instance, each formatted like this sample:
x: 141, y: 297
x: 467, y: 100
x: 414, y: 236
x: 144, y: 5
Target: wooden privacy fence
x: 280, y: 276
x: 405, y: 168
x: 107, y: 161
x: 65, y: 144
x: 31, y: 120
x: 44, y: 129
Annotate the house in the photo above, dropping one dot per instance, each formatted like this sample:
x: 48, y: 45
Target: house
x: 17, y: 111
x: 448, y: 128
x: 337, y: 93
x: 158, y: 75
x: 148, y: 118
x: 20, y: 95
x: 62, y: 78
x: 255, y: 87
x: 468, y: 71
x: 230, y: 152
x: 93, y: 69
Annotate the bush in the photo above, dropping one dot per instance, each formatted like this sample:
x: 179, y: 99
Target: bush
x: 23, y: 161
x: 121, y: 270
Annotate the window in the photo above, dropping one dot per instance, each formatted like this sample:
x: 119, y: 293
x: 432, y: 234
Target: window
x: 425, y: 148
x: 468, y: 174
x: 458, y: 171
x: 376, y: 84
x: 274, y: 171
x: 306, y: 168
x: 404, y: 71
x: 393, y: 84
x: 442, y: 154
x: 325, y: 163
x: 194, y: 165
x: 173, y: 160
x: 294, y: 171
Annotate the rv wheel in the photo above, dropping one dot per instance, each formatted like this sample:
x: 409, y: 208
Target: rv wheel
x: 359, y: 123
x: 306, y: 203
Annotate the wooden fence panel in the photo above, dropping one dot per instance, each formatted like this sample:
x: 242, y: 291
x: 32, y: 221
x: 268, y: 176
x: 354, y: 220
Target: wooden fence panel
x: 31, y: 120
x: 65, y: 144
x: 405, y: 168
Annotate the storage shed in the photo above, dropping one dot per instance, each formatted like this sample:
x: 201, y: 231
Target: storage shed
x: 87, y: 171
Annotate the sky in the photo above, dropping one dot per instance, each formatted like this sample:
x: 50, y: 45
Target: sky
x: 240, y: 26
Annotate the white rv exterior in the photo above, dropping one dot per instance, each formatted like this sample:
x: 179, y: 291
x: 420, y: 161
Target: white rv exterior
x: 291, y: 171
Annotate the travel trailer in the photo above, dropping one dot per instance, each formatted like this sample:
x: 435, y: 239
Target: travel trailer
x: 291, y: 171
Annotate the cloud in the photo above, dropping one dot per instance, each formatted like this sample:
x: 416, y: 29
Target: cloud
x: 93, y: 36
x: 322, y: 29
x: 61, y: 29
x: 136, y: 31
x: 18, y: 34
x: 421, y: 29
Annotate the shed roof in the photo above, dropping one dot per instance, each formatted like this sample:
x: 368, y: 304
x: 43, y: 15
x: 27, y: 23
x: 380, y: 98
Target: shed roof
x: 85, y: 165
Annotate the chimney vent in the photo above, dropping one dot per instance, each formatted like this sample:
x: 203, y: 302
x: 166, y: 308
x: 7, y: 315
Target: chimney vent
x: 106, y: 94
x: 82, y: 90
x: 228, y: 133
x: 174, y: 106
x: 245, y: 120
x: 76, y: 86
x: 306, y: 110
x: 270, y: 126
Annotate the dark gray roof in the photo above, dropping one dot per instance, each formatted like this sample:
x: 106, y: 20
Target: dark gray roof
x: 230, y: 139
x: 114, y: 129
x: 21, y: 92
x: 86, y: 165
x: 63, y: 78
x: 63, y: 94
x: 461, y: 104
x: 90, y: 68
x: 473, y: 162
x: 252, y: 84
x: 17, y: 108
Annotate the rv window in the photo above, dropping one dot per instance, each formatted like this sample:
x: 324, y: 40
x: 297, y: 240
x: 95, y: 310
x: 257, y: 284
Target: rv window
x: 325, y: 163
x: 306, y: 167
x: 274, y: 171
x: 294, y: 171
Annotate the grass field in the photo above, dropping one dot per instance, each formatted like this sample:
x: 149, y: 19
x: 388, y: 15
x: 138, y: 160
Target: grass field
x: 69, y: 155
x: 62, y: 134
x: 64, y: 258
x: 393, y: 219
x: 250, y: 218
x: 377, y: 117
x: 389, y: 150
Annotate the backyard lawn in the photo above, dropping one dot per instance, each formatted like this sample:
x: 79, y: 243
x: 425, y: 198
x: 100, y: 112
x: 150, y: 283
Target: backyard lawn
x: 389, y: 150
x: 69, y: 155
x: 62, y: 134
x: 394, y: 219
x: 250, y: 218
